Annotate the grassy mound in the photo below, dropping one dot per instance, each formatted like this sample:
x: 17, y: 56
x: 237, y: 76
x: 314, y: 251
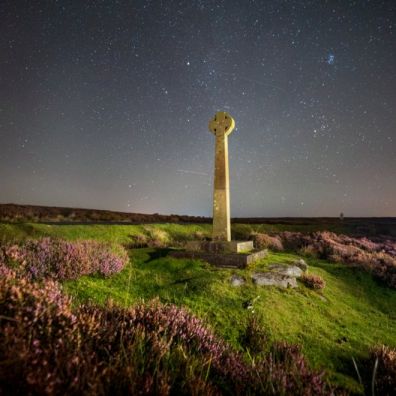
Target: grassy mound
x: 46, y: 347
x: 342, y: 321
x: 346, y: 319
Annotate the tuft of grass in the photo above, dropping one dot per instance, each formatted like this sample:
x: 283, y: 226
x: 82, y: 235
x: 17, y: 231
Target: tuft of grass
x: 314, y: 282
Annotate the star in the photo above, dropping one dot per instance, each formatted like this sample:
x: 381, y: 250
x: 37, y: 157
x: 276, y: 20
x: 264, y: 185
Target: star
x: 113, y: 107
x: 330, y: 59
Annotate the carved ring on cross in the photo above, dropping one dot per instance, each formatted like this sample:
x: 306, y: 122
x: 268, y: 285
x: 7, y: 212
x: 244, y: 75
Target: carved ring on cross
x: 221, y: 124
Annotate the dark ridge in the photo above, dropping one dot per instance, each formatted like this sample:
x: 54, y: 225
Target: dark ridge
x: 51, y: 214
x: 368, y: 226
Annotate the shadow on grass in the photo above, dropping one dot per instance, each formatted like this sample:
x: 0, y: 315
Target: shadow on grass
x: 158, y: 253
x: 20, y: 231
x: 158, y: 274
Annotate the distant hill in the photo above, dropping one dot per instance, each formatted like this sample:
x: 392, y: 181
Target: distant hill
x: 365, y: 226
x: 44, y: 214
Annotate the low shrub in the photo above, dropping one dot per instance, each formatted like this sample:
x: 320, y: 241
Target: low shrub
x: 377, y: 258
x: 2, y: 257
x: 385, y: 375
x: 313, y: 281
x: 48, y: 348
x: 294, y: 241
x: 61, y: 260
x: 36, y: 328
x: 265, y: 241
x: 285, y: 369
x: 256, y: 337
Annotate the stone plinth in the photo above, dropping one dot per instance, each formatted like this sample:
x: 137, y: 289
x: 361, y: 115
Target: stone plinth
x: 226, y: 260
x: 220, y: 246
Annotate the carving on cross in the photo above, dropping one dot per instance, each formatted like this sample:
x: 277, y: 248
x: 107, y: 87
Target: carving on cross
x: 221, y: 124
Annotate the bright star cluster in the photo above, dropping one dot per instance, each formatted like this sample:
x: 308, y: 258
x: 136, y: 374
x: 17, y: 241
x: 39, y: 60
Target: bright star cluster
x: 105, y: 104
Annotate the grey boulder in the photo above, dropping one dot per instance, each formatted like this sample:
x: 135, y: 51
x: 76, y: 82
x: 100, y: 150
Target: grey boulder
x: 273, y: 279
x: 237, y: 280
x: 287, y: 270
x: 300, y: 263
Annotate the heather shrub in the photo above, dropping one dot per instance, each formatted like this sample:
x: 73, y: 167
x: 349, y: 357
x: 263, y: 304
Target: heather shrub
x: 60, y: 260
x: 385, y: 375
x: 5, y: 270
x: 381, y: 265
x: 265, y: 241
x: 366, y: 244
x: 313, y: 281
x: 377, y: 258
x: 107, y: 260
x: 37, y: 326
x: 256, y: 337
x: 294, y: 240
x: 285, y: 371
x: 2, y: 259
x: 46, y: 347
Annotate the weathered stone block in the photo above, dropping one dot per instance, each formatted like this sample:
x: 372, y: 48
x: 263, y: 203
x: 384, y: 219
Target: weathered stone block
x: 237, y: 280
x: 300, y: 263
x: 287, y: 270
x: 273, y: 279
x: 226, y: 260
x: 219, y: 246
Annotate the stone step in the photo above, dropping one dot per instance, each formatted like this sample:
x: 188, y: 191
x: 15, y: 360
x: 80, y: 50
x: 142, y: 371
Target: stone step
x: 224, y: 260
x: 220, y: 246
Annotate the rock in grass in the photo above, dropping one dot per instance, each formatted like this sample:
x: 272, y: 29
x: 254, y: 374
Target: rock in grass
x: 273, y: 279
x: 287, y: 270
x: 300, y: 263
x: 237, y: 280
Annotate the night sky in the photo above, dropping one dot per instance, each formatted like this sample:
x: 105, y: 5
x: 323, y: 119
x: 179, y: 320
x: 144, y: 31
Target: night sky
x: 105, y: 104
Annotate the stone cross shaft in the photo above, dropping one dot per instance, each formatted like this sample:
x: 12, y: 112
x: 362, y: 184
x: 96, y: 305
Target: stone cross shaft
x: 221, y: 126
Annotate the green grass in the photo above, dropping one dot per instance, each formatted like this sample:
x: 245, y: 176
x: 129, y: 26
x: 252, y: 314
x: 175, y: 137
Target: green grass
x: 342, y: 321
x: 351, y: 314
x: 123, y: 233
x: 109, y: 233
x: 239, y: 230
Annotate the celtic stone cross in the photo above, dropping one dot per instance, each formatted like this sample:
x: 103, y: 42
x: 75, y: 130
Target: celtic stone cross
x: 221, y: 126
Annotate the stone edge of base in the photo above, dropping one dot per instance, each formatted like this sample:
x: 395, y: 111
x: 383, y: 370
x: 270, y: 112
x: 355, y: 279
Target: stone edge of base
x: 226, y: 260
x: 219, y: 246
